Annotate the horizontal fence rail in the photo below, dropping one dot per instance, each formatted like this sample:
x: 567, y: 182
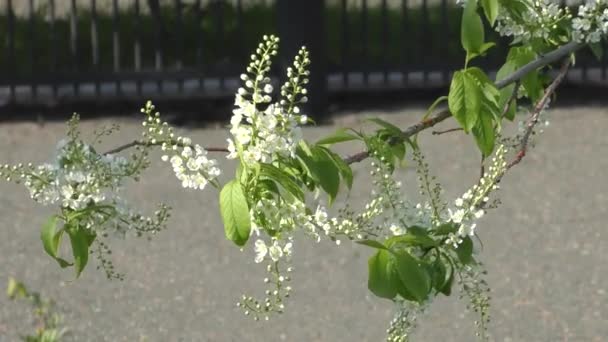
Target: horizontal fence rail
x: 57, y: 51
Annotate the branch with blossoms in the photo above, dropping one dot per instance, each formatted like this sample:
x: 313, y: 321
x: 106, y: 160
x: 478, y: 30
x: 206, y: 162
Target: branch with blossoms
x: 284, y: 184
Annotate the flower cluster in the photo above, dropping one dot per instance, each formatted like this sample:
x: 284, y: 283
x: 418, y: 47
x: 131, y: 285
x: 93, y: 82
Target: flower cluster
x: 262, y: 134
x: 591, y: 23
x: 190, y: 163
x: 469, y: 207
x: 404, y: 321
x: 539, y: 20
x: 86, y: 186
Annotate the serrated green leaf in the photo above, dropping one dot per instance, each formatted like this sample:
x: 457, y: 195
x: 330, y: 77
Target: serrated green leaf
x: 394, y: 130
x: 345, y: 171
x: 472, y: 31
x: 412, y: 239
x: 519, y: 56
x: 465, y: 99
x: 328, y: 171
x: 379, y: 280
x: 338, y: 136
x: 371, y: 243
x: 597, y: 49
x: 235, y: 213
x: 446, y: 289
x: 283, y: 179
x: 445, y: 229
x: 80, y: 240
x: 491, y: 8
x: 465, y: 250
x: 484, y: 134
x: 414, y: 276
x: 439, y: 274
x: 51, y: 239
x: 399, y: 151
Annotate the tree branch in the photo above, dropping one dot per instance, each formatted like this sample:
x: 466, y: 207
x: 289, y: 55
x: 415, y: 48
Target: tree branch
x: 533, y: 120
x: 158, y: 143
x: 517, y: 75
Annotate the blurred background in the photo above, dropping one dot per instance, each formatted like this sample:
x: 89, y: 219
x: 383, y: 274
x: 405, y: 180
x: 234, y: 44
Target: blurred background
x: 187, y: 54
x: 546, y: 248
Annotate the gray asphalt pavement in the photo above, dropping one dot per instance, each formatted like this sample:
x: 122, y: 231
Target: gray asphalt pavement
x: 546, y: 250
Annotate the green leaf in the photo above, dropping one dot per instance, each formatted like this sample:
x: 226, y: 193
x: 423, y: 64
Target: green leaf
x: 394, y: 130
x: 446, y: 289
x: 51, y: 239
x: 345, y: 171
x: 80, y: 239
x: 439, y: 274
x: 446, y: 229
x: 379, y: 277
x: 472, y: 31
x: 491, y: 8
x: 482, y: 51
x: 597, y: 50
x: 399, y: 151
x: 484, y: 134
x: 283, y: 178
x: 465, y: 250
x: 15, y: 289
x: 411, y: 239
x: 414, y: 276
x: 339, y: 136
x: 507, y: 92
x: 510, y: 113
x: 465, y: 99
x: 519, y: 56
x: 235, y: 213
x: 371, y: 243
x: 327, y: 171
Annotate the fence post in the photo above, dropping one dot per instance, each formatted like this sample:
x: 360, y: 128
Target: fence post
x: 302, y: 22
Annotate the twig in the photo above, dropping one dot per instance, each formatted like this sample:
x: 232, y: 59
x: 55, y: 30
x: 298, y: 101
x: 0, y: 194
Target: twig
x: 158, y: 143
x: 422, y: 125
x: 540, y: 105
x: 447, y: 131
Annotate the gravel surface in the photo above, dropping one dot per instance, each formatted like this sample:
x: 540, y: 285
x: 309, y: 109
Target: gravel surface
x: 546, y: 251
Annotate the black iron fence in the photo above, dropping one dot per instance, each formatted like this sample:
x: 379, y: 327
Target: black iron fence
x: 56, y: 51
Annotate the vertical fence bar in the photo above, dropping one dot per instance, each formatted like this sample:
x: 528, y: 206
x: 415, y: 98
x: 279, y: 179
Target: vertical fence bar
x: 137, y: 44
x: 219, y: 15
x: 364, y: 53
x: 95, y: 45
x: 385, y: 41
x: 425, y: 47
x: 32, y: 49
x: 239, y: 29
x: 116, y: 44
x: 53, y: 35
x: 159, y: 41
x: 74, y: 42
x: 200, y: 43
x: 405, y: 49
x: 345, y: 43
x: 445, y: 51
x: 179, y: 42
x: 603, y: 64
x: 11, y: 49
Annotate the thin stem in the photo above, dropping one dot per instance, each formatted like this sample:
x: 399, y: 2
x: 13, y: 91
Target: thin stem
x: 540, y: 105
x: 456, y: 129
x: 158, y: 143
